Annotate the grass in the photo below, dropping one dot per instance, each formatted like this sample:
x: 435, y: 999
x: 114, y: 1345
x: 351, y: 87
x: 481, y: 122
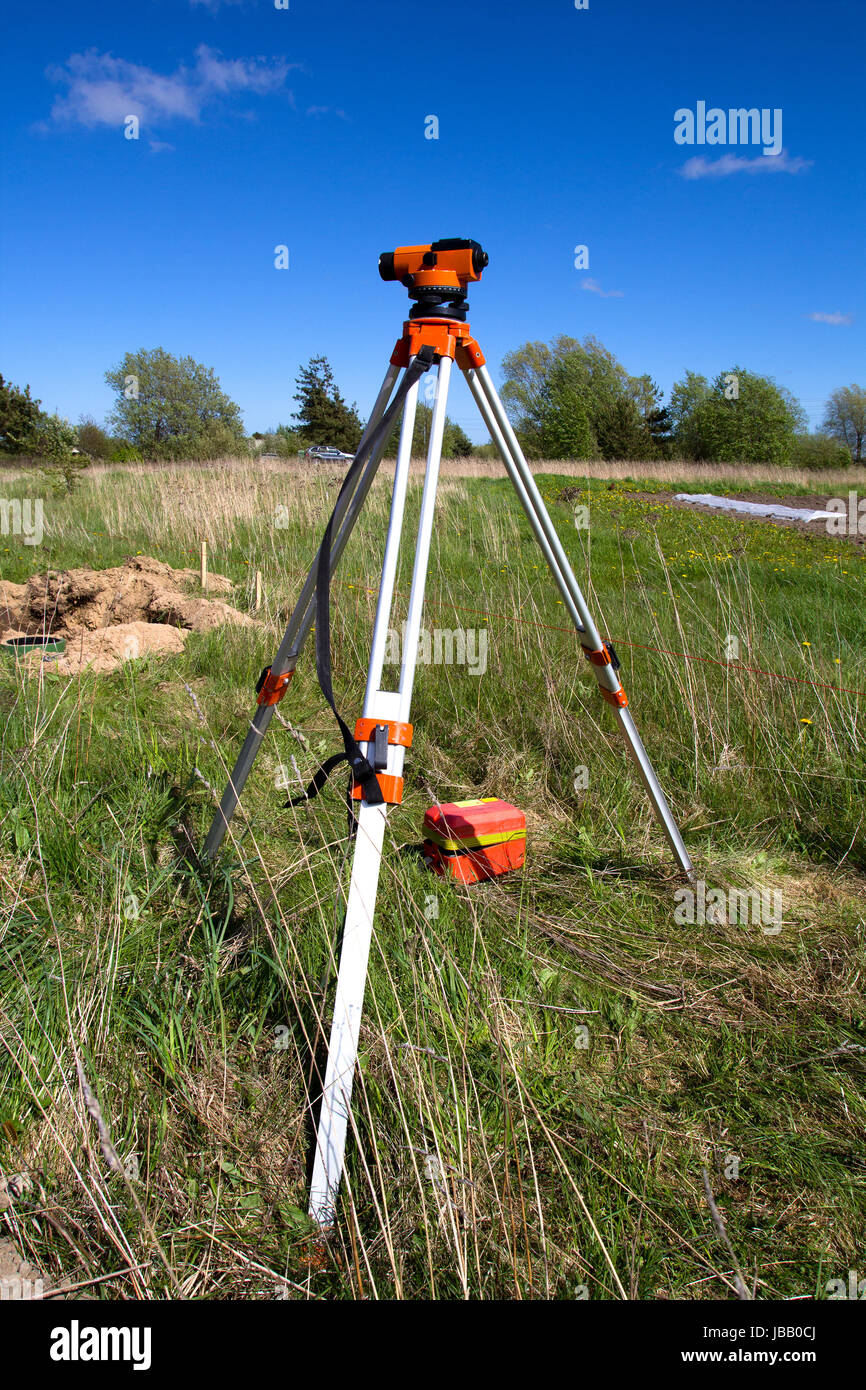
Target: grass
x: 548, y: 1062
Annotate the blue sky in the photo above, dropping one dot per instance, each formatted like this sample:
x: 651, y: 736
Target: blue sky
x: 306, y: 127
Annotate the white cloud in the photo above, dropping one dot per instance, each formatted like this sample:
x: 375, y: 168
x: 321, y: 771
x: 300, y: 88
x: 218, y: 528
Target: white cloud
x: 595, y: 288
x: 324, y: 111
x: 103, y: 90
x: 781, y: 163
x: 818, y: 317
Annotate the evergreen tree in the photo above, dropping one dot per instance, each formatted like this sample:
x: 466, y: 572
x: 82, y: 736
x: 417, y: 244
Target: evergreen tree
x: 622, y: 434
x: 19, y: 416
x: 456, y: 442
x: 322, y: 415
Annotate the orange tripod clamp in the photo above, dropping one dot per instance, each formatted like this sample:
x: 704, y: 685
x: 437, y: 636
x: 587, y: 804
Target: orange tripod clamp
x: 399, y: 735
x: 271, y: 688
x: 607, y: 657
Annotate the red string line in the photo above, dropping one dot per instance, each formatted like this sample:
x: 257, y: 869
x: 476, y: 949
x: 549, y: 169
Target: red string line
x: 642, y: 646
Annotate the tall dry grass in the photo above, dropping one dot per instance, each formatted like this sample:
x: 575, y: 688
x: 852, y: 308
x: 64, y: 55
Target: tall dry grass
x: 663, y: 471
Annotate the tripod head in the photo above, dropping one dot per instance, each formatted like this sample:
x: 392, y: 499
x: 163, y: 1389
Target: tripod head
x: 436, y: 275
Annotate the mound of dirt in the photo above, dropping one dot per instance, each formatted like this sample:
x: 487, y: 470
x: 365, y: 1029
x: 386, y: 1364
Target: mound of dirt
x: 113, y: 615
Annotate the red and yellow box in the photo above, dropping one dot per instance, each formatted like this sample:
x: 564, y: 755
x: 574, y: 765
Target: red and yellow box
x: 474, y: 840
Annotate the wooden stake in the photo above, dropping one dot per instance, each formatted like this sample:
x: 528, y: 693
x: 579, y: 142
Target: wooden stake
x: 204, y: 564
x: 258, y: 589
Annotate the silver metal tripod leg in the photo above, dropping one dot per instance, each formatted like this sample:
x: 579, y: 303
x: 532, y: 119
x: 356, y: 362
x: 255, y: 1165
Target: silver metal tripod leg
x: 384, y: 705
x: 298, y: 628
x: 501, y: 432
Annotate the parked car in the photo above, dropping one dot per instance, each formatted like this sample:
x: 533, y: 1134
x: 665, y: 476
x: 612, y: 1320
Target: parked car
x: 327, y: 453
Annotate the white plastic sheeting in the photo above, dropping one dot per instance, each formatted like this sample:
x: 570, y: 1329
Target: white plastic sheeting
x: 731, y: 504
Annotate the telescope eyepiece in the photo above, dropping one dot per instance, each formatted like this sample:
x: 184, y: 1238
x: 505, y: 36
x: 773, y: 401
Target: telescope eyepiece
x: 386, y: 266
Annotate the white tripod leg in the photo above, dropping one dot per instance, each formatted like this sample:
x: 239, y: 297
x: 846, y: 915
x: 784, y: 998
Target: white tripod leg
x: 361, y: 904
x: 501, y: 432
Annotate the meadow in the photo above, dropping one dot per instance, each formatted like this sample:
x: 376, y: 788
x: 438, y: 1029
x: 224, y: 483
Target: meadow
x: 554, y: 1069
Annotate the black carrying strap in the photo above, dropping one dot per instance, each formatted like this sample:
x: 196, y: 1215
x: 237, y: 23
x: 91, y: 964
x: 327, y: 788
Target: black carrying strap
x: 319, y: 780
x: 363, y: 772
x: 318, y: 783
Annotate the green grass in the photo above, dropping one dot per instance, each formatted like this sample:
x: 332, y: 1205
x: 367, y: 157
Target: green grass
x: 549, y: 1061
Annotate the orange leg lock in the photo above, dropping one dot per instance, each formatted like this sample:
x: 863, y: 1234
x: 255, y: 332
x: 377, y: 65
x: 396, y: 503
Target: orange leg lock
x: 615, y: 697
x: 603, y: 657
x: 271, y: 688
x: 397, y: 735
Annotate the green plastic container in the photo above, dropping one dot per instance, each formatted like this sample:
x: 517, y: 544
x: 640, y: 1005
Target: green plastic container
x: 26, y: 646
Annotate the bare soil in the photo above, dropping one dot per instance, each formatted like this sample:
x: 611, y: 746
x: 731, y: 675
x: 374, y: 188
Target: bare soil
x: 17, y: 1275
x: 113, y: 615
x: 18, y: 1278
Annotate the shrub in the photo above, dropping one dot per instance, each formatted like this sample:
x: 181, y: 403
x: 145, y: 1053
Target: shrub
x: 820, y: 451
x: 94, y: 441
x: 739, y: 416
x: 285, y: 442
x: 123, y: 452
x: 53, y: 446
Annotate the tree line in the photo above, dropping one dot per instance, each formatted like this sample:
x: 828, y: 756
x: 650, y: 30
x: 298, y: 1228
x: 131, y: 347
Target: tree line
x: 567, y: 399
x: 573, y: 399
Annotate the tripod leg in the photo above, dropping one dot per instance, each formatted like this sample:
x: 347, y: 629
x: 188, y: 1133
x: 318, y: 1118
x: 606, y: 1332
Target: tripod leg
x: 298, y: 628
x: 501, y: 432
x: 358, y: 929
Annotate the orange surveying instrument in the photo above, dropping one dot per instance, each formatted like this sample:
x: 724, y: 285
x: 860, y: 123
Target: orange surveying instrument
x: 435, y: 335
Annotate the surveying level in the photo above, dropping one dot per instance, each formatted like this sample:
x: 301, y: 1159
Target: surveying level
x: 435, y: 334
x: 436, y: 276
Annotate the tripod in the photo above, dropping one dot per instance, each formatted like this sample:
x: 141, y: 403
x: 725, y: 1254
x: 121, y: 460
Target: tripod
x: 435, y: 334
